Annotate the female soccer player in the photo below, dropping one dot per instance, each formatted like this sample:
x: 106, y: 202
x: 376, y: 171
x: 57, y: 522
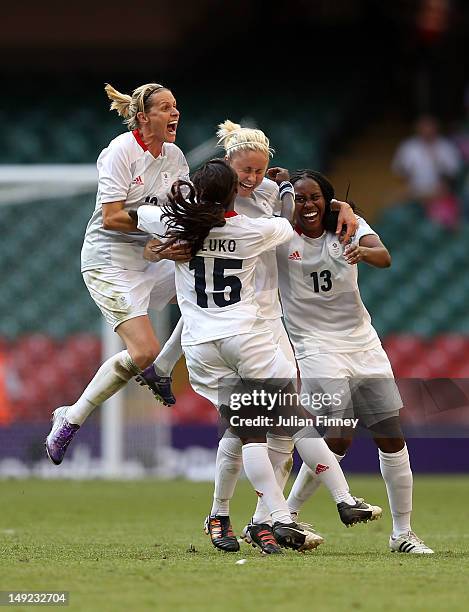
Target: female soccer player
x: 225, y: 342
x: 337, y: 348
x: 137, y: 167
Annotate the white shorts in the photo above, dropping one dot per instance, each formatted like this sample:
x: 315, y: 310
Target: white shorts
x: 357, y: 384
x: 220, y: 364
x: 125, y: 294
x: 281, y: 338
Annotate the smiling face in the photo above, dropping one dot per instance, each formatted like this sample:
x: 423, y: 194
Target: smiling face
x: 310, y: 206
x: 161, y: 119
x: 250, y: 166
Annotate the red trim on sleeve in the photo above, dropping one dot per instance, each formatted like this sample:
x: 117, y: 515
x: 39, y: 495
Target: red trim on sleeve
x: 138, y: 138
x: 231, y: 213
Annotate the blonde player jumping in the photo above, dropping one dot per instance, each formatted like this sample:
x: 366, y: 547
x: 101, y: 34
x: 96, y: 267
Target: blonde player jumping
x: 136, y: 168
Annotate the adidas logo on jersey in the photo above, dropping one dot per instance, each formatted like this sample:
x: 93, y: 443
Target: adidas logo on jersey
x: 137, y: 181
x: 295, y: 256
x: 321, y: 468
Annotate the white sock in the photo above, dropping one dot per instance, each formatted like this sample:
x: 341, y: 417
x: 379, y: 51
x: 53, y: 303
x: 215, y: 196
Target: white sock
x: 170, y: 353
x: 397, y: 475
x: 227, y: 469
x: 114, y: 374
x: 306, y: 483
x: 319, y: 457
x: 261, y: 475
x: 280, y: 451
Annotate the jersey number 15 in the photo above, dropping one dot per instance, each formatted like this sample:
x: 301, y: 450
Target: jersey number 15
x: 220, y: 282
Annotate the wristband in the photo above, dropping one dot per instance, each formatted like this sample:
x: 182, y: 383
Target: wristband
x: 286, y: 187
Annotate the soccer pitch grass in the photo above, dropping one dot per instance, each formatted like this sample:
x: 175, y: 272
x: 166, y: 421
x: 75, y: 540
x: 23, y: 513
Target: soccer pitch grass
x: 139, y: 546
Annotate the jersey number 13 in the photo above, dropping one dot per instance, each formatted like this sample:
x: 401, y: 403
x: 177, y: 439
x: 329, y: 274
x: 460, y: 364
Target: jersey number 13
x: 322, y: 281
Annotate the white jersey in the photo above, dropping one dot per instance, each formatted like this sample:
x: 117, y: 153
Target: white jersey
x: 215, y: 290
x: 264, y: 202
x: 128, y: 173
x: 323, y: 309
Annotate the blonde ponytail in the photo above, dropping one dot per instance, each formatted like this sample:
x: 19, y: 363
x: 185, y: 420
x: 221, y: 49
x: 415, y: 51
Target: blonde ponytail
x: 128, y: 106
x: 120, y: 102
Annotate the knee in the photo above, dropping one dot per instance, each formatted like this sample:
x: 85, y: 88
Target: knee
x: 389, y: 429
x: 339, y: 446
x: 390, y: 445
x: 145, y: 356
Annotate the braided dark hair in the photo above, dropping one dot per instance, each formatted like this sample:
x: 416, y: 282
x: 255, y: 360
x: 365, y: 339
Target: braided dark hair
x: 195, y: 208
x: 327, y: 190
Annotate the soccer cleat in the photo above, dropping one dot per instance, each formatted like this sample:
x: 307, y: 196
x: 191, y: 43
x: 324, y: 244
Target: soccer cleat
x: 262, y: 536
x: 361, y: 512
x: 60, y: 435
x: 292, y: 535
x: 307, y: 526
x: 310, y: 528
x: 160, y: 386
x: 409, y: 543
x: 220, y: 532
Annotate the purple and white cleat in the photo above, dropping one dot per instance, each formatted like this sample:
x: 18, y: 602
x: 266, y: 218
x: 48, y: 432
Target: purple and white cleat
x: 160, y: 386
x: 60, y: 435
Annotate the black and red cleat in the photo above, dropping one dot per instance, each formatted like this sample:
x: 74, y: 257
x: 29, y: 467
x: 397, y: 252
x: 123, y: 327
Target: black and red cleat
x: 262, y: 536
x: 221, y: 533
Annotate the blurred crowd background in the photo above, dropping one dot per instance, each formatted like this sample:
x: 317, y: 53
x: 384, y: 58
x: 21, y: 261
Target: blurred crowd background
x: 373, y: 93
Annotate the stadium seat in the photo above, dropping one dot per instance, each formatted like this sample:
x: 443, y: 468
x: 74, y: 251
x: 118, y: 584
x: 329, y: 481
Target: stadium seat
x: 192, y: 408
x: 454, y: 345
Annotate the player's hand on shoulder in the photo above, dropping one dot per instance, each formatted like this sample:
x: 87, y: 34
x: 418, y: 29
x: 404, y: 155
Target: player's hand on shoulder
x: 353, y: 253
x: 278, y: 174
x: 346, y: 218
x: 149, y: 252
x: 179, y: 251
